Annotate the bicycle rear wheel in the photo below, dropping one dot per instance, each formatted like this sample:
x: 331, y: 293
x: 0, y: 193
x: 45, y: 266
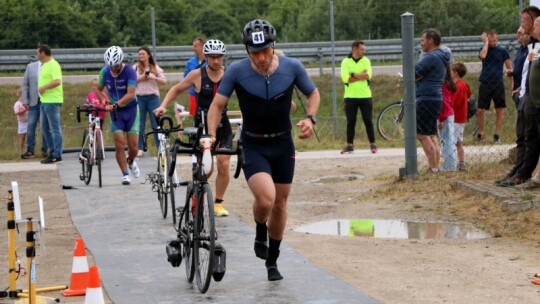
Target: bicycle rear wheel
x: 99, y: 154
x: 204, y: 237
x: 162, y: 186
x: 86, y: 174
x: 187, y: 230
x: 390, y: 122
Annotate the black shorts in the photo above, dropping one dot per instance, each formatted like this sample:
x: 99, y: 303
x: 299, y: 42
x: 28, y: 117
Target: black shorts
x: 275, y: 156
x: 489, y: 91
x: 427, y: 112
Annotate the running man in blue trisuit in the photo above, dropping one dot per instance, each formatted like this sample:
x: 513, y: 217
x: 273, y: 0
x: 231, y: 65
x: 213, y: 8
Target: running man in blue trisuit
x: 121, y: 80
x: 264, y: 84
x: 205, y: 82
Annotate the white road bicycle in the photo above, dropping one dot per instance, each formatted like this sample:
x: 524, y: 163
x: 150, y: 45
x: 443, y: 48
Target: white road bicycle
x: 93, y: 148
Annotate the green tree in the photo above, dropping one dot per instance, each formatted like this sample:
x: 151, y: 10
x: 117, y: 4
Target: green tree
x: 60, y: 24
x: 217, y: 23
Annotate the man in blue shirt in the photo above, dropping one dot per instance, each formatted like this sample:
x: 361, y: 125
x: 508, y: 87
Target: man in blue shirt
x: 194, y: 63
x: 429, y: 73
x: 264, y: 84
x: 493, y: 57
x: 121, y: 80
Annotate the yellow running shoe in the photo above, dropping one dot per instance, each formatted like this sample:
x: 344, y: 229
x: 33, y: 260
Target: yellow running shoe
x: 220, y: 211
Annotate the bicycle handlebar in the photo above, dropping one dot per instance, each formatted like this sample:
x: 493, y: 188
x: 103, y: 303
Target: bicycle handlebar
x: 193, y: 147
x: 91, y: 108
x: 161, y: 129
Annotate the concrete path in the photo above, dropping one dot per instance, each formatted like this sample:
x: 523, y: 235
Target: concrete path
x: 123, y: 228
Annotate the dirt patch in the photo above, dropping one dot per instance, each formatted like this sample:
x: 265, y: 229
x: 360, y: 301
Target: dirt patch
x: 494, y: 270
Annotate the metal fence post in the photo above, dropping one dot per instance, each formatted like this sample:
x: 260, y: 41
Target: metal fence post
x: 407, y: 36
x: 334, y: 90
x: 153, y: 21
x: 320, y: 54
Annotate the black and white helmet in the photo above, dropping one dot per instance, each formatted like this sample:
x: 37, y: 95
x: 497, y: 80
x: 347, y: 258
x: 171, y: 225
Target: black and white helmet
x: 258, y: 35
x: 214, y: 47
x: 113, y: 56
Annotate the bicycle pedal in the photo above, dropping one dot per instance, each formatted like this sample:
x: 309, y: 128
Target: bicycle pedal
x: 220, y: 259
x: 183, y: 183
x: 174, y: 252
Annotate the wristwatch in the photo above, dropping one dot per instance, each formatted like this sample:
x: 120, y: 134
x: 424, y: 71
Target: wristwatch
x: 313, y: 118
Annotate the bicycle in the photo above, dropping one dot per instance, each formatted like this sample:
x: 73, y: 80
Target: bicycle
x: 197, y: 237
x: 390, y: 122
x: 164, y: 181
x: 92, y: 151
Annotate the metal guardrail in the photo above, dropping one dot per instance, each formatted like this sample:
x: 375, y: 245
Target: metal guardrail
x: 176, y: 56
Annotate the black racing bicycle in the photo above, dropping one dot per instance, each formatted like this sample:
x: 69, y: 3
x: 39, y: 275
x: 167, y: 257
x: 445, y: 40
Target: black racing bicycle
x: 196, y: 241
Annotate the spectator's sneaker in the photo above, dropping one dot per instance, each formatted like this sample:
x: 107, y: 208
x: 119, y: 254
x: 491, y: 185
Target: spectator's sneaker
x: 44, y: 154
x: 126, y: 180
x: 373, y: 147
x: 27, y: 155
x: 347, y: 149
x: 496, y: 139
x: 51, y: 160
x: 461, y: 167
x: 479, y: 136
x: 508, y: 176
x: 140, y: 153
x: 134, y: 169
x: 219, y: 210
x: 514, y: 181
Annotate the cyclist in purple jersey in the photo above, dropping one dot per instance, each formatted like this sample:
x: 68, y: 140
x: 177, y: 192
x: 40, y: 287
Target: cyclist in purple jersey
x: 121, y: 80
x: 264, y: 85
x: 205, y: 82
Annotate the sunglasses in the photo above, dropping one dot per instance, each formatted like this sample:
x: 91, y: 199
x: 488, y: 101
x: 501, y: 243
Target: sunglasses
x: 266, y: 51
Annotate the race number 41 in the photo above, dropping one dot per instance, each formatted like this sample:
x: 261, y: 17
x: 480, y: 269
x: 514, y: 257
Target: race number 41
x: 257, y: 37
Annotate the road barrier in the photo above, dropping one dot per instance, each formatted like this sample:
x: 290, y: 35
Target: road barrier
x: 307, y: 52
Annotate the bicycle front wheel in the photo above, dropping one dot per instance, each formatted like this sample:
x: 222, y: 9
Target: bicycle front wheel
x: 187, y: 230
x: 204, y: 237
x: 390, y: 122
x: 86, y: 174
x: 162, y: 186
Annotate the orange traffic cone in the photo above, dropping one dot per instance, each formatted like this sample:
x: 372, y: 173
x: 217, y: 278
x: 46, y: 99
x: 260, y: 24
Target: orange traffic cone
x: 94, y: 292
x: 79, y: 271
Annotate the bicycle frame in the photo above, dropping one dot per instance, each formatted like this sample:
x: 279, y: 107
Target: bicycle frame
x: 90, y: 155
x: 163, y: 149
x: 94, y: 127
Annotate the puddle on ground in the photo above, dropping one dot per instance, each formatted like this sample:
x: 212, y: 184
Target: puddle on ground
x: 337, y: 179
x: 394, y: 229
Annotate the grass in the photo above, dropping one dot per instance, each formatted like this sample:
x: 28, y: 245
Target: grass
x: 330, y: 129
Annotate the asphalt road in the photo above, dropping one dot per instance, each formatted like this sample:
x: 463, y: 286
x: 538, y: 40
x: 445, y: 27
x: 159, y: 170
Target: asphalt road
x: 123, y: 228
